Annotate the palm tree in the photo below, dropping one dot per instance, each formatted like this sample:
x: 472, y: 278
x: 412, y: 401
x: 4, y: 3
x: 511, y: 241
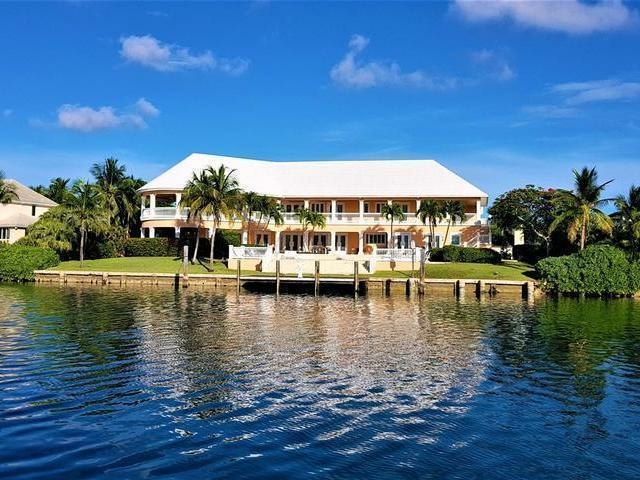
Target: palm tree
x: 392, y: 211
x: 454, y: 211
x: 212, y: 193
x: 430, y: 211
x: 250, y: 205
x: 270, y: 210
x: 7, y: 190
x: 309, y: 218
x: 109, y: 176
x: 85, y: 211
x: 580, y: 207
x: 58, y: 190
x: 627, y: 218
x: 53, y: 230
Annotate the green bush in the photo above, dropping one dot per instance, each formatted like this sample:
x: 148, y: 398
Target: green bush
x: 453, y: 253
x: 599, y: 270
x: 18, y: 262
x: 529, y: 253
x: 148, y: 247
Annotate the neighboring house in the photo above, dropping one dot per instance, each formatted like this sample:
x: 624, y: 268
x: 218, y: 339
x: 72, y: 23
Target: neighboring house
x: 17, y: 216
x: 350, y: 195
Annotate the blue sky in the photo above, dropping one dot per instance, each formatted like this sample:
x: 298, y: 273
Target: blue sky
x: 503, y: 93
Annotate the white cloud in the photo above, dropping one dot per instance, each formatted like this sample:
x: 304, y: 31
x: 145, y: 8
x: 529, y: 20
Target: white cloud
x: 550, y: 111
x: 568, y: 16
x: 352, y: 73
x: 88, y: 119
x: 496, y: 66
x: 146, y: 108
x: 150, y: 52
x: 610, y: 90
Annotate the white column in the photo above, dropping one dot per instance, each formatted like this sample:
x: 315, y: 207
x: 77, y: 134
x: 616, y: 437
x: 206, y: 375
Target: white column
x: 306, y: 204
x: 418, y: 203
x: 479, y: 209
x: 152, y: 201
x: 389, y: 202
x: 142, y: 205
x: 177, y: 232
x: 361, y: 211
x: 178, y: 200
x: 333, y: 241
x: 305, y: 241
x: 142, y: 232
x: 152, y: 232
x: 277, y: 241
x: 245, y: 237
x: 360, y: 242
x: 333, y: 210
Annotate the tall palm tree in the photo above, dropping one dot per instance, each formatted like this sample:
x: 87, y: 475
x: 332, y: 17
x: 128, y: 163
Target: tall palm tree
x: 309, y: 220
x: 580, y: 208
x: 7, y: 190
x: 454, y: 211
x: 212, y: 193
x: 250, y: 206
x: 627, y: 218
x: 58, y: 190
x: 109, y: 176
x: 430, y: 212
x: 270, y: 210
x: 85, y: 211
x: 392, y: 211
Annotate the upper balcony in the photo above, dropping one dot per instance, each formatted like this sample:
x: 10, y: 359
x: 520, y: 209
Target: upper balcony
x: 290, y: 218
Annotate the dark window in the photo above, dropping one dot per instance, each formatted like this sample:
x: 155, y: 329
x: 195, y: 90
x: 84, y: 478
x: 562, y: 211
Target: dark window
x: 33, y: 210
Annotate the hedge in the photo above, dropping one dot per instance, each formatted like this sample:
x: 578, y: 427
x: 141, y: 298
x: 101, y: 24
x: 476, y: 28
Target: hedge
x: 148, y: 247
x: 453, y: 253
x: 18, y: 262
x: 599, y: 270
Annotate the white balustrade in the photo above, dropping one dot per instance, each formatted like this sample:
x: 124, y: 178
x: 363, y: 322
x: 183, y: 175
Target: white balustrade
x: 402, y: 254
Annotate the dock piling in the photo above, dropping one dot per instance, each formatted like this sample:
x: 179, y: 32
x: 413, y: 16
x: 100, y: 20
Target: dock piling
x: 277, y: 277
x: 238, y: 277
x: 316, y: 289
x: 356, y: 281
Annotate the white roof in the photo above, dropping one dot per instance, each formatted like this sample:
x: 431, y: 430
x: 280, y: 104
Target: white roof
x: 327, y: 179
x: 27, y: 196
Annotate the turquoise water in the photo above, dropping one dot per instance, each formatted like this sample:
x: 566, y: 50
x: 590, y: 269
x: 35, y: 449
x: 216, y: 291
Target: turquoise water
x: 107, y: 383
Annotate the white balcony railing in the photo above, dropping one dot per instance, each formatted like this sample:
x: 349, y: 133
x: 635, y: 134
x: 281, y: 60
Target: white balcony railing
x: 291, y: 218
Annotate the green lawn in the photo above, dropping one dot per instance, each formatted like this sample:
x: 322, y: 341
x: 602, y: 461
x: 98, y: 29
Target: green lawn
x: 139, y: 265
x: 484, y: 271
x: 510, y: 271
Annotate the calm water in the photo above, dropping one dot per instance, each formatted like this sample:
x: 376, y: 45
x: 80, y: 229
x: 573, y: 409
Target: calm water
x: 110, y: 383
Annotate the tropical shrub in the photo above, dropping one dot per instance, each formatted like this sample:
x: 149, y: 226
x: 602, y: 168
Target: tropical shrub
x: 453, y: 253
x: 148, y: 247
x: 529, y: 253
x: 598, y: 270
x: 18, y: 262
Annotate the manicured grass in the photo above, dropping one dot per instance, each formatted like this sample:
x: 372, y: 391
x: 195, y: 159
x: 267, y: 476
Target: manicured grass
x: 138, y: 265
x: 484, y: 271
x: 507, y: 271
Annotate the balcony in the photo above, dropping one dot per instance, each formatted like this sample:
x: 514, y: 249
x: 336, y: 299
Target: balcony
x: 290, y: 218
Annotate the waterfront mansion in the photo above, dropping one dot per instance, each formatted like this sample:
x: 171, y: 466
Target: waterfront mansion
x: 350, y: 194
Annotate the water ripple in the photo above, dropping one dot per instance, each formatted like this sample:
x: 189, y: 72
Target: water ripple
x: 156, y: 383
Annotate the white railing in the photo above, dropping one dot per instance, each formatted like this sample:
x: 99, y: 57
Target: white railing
x: 402, y: 254
x: 249, y: 252
x: 479, y: 240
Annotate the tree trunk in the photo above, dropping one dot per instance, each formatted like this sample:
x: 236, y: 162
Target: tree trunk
x: 446, y: 234
x: 390, y: 242
x: 195, y: 250
x: 212, y: 239
x: 81, y: 247
x: 583, y: 233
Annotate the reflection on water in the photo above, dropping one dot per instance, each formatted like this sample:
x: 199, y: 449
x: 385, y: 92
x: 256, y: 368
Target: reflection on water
x: 198, y: 384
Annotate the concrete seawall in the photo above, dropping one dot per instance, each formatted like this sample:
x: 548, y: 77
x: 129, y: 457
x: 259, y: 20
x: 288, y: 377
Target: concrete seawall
x: 377, y: 285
